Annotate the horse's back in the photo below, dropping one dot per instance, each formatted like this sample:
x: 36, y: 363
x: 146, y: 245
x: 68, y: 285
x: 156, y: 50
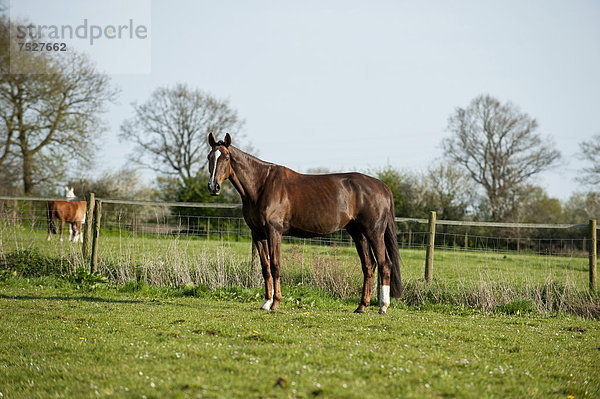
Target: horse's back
x: 71, y: 211
x: 322, y: 204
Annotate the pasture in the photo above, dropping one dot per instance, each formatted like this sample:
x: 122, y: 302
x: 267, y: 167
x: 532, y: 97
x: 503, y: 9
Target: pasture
x: 177, y: 316
x: 166, y: 260
x: 135, y: 341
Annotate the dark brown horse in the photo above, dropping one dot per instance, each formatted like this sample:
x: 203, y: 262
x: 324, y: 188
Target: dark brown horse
x: 277, y: 201
x: 70, y: 211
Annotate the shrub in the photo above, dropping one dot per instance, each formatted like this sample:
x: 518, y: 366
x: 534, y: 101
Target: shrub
x: 30, y: 263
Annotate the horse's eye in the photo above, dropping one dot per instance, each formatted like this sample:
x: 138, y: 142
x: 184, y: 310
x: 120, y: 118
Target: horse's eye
x: 227, y: 158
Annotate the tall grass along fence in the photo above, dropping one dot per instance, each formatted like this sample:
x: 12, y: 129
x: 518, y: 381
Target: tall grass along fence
x: 208, y: 245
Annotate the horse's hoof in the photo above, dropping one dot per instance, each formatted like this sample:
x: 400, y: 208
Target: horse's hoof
x: 267, y: 304
x: 383, y: 312
x: 360, y: 309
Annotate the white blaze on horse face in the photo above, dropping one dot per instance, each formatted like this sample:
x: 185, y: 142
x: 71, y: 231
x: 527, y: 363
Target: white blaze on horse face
x: 212, y: 175
x: 69, y: 192
x: 384, y: 300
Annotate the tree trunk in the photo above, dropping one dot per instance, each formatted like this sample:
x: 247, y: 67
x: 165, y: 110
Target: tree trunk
x: 27, y: 174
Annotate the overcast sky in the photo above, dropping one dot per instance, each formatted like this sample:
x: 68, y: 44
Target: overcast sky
x: 357, y: 85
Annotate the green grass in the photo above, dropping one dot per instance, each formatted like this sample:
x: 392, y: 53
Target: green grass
x: 139, y: 340
x: 121, y: 253
x: 482, y: 280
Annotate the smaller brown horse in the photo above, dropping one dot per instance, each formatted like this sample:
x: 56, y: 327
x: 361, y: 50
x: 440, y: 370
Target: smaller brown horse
x: 70, y: 211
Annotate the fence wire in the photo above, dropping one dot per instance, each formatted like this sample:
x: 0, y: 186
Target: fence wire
x: 181, y: 245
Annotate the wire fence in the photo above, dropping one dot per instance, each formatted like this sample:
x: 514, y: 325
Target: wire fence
x: 187, y: 243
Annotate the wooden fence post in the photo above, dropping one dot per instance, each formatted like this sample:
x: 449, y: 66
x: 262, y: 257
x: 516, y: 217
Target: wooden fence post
x: 593, y: 254
x: 466, y: 241
x: 89, y: 219
x: 95, y: 236
x: 430, y: 245
x: 409, y: 238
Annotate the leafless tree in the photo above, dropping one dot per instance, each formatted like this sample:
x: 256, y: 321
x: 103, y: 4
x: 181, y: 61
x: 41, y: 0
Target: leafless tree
x: 170, y: 129
x: 499, y: 146
x: 451, y: 190
x: 590, y: 151
x: 49, y: 115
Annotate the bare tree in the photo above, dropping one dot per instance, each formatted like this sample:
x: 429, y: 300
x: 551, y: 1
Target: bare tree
x: 590, y: 151
x: 451, y: 190
x: 499, y: 147
x: 50, y: 115
x: 170, y: 129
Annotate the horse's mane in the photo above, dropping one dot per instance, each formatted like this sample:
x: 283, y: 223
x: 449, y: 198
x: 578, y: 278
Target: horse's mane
x: 252, y: 157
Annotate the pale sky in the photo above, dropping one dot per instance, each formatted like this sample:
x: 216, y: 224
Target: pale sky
x: 357, y: 85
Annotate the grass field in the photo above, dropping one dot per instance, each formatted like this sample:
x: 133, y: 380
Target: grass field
x: 142, y: 341
x: 484, y: 280
x: 124, y: 251
x: 178, y: 317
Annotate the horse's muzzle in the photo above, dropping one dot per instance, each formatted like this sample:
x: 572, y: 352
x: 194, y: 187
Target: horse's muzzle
x: 215, y: 189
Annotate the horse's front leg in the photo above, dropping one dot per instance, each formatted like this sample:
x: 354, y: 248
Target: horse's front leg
x: 62, y: 226
x: 275, y: 255
x: 263, y: 254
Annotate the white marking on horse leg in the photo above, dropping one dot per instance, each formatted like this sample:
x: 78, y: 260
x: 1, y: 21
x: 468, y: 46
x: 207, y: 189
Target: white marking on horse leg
x: 268, y: 302
x: 384, y: 300
x: 212, y: 175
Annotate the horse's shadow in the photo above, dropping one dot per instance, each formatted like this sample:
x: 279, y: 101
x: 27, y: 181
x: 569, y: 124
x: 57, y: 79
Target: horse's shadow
x: 70, y: 298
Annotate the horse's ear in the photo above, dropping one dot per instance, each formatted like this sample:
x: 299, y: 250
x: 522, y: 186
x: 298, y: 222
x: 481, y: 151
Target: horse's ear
x: 227, y: 140
x: 211, y: 140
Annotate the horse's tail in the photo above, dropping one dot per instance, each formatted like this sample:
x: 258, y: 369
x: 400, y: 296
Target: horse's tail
x: 391, y: 247
x: 50, y: 214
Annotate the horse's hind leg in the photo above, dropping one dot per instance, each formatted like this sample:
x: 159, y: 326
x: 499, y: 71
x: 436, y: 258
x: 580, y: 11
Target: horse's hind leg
x: 78, y: 237
x: 377, y: 242
x: 263, y: 254
x: 368, y: 265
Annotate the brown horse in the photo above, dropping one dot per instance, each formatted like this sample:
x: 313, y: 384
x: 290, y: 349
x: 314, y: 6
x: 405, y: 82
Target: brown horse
x: 277, y: 201
x: 70, y: 211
